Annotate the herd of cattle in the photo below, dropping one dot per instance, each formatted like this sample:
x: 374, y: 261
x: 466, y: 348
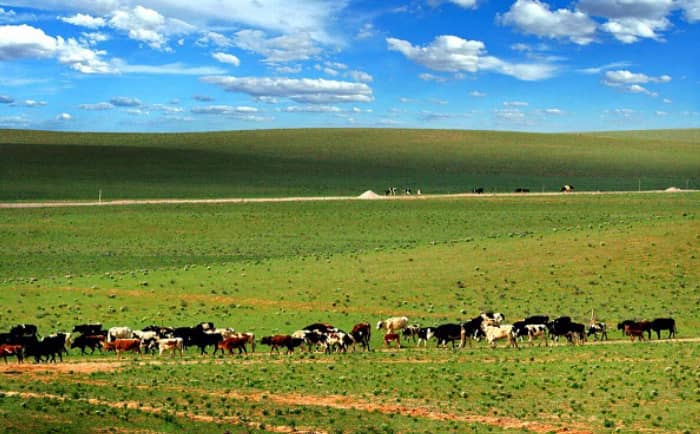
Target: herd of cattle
x: 23, y: 340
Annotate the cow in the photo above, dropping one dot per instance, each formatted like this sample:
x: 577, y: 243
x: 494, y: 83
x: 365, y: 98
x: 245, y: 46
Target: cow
x: 312, y: 338
x: 447, y: 333
x: 494, y: 333
x: 120, y: 346
x: 411, y: 331
x: 423, y: 335
x: 202, y: 340
x: 162, y: 331
x: 320, y: 327
x: 233, y: 342
x: 393, y: 324
x: 522, y: 190
x: 635, y: 331
x: 115, y: 333
x: 621, y: 325
x: 496, y: 317
x: 392, y: 337
x: 170, y: 344
x: 471, y: 330
x: 91, y: 341
x: 12, y: 350
x: 338, y: 341
x: 659, y: 324
x: 89, y: 329
x: 24, y: 330
x: 536, y: 319
x: 277, y: 341
x: 48, y: 347
x: 576, y: 333
x: 598, y: 328
x: 478, y: 190
x: 361, y: 334
x: 567, y: 188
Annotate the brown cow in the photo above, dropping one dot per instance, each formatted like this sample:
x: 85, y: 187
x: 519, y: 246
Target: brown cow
x: 361, y: 333
x: 232, y: 342
x: 123, y: 345
x: 635, y: 330
x: 12, y: 350
x: 392, y: 337
x: 277, y: 341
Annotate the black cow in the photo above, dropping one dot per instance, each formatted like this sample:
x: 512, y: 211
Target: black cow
x: 320, y: 327
x: 162, y: 331
x: 423, y: 333
x: 599, y: 328
x: 522, y: 190
x: 664, y: 324
x: 48, y: 347
x: 478, y: 190
x: 621, y: 325
x: 536, y: 319
x: 447, y: 333
x: 88, y: 341
x: 89, y: 329
x: 361, y: 333
x: 23, y: 330
x: 472, y: 330
x: 559, y: 326
x: 202, y: 340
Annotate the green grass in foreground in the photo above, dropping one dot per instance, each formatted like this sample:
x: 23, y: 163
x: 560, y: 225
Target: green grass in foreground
x: 48, y: 165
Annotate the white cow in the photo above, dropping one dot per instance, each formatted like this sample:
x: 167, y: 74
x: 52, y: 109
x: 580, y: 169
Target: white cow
x: 394, y: 324
x: 171, y: 344
x: 119, y: 333
x: 505, y: 331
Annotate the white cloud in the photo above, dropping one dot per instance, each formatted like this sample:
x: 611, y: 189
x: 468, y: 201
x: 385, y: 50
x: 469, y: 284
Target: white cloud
x: 635, y: 88
x: 432, y: 77
x: 136, y: 112
x: 599, y: 69
x: 553, y: 111
x: 33, y: 103
x: 4, y: 99
x: 366, y: 31
x: 466, y: 4
x: 176, y: 68
x: 63, y: 117
x: 305, y: 90
x: 149, y: 26
x: 84, y: 20
x: 629, y: 30
x: 661, y: 113
x: 691, y: 9
x: 100, y: 106
x: 226, y: 58
x: 166, y: 108
x: 125, y: 101
x: 630, y: 20
x: 280, y: 49
x: 535, y: 18
x: 360, y: 76
x: 622, y: 77
x: 288, y: 69
x: 453, y: 54
x: 312, y: 109
x: 515, y: 104
x: 667, y: 101
x: 223, y: 110
x: 477, y: 94
x: 93, y: 38
x: 214, y: 38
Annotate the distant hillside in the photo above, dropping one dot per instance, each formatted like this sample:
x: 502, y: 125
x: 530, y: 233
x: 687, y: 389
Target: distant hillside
x: 37, y: 165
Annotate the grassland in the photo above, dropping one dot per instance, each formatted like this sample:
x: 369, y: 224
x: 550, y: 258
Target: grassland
x: 40, y: 165
x: 276, y: 267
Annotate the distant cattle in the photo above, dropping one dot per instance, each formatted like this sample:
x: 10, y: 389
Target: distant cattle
x: 659, y: 324
x: 277, y: 341
x: 338, y: 341
x: 115, y: 333
x: 411, y: 331
x: 471, y: 330
x: 494, y: 333
x: 120, y: 346
x: 447, y: 333
x: 24, y: 330
x: 172, y: 345
x: 393, y: 324
x: 478, y: 190
x: 598, y: 328
x: 567, y: 188
x: 92, y: 342
x: 361, y: 334
x: 12, y: 350
x: 49, y: 347
x: 522, y: 190
x: 233, y: 343
x: 621, y: 325
x: 89, y: 329
x: 321, y: 327
x: 202, y: 340
x: 634, y: 331
x: 392, y: 337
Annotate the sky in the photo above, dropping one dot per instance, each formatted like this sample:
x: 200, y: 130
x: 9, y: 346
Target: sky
x: 523, y: 65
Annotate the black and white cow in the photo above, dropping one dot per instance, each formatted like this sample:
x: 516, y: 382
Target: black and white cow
x: 598, y: 328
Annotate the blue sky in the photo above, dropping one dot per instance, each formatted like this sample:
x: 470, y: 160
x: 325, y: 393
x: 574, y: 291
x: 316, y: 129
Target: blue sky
x: 526, y: 65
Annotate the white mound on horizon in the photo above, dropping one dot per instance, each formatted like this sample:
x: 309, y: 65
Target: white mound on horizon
x: 369, y: 194
x: 672, y: 189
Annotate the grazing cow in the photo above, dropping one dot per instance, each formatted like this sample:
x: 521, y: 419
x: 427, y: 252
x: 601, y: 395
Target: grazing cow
x: 621, y: 325
x: 361, y: 334
x: 522, y: 190
x: 536, y: 319
x: 664, y: 324
x: 576, y: 333
x: 598, y: 328
x: 635, y: 330
x: 423, y: 334
x: 312, y: 338
x: 172, y: 345
x: 115, y: 333
x: 478, y: 190
x: 12, y: 350
x: 392, y: 337
x: 394, y: 324
x: 89, y: 329
x: 447, y: 333
x: 120, y: 346
x: 277, y: 341
x: 202, y: 340
x: 494, y: 333
x: 566, y: 188
x: 536, y: 331
x: 411, y: 331
x: 233, y: 342
x: 48, y: 347
x: 471, y: 330
x: 92, y: 342
x: 338, y: 341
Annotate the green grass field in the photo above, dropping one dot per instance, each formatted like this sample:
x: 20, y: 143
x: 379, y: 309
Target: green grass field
x: 275, y: 267
x: 40, y: 165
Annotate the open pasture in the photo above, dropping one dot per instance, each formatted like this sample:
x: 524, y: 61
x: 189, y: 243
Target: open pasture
x: 39, y: 165
x: 274, y: 268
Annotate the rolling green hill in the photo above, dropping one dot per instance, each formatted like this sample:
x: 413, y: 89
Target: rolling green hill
x: 38, y: 165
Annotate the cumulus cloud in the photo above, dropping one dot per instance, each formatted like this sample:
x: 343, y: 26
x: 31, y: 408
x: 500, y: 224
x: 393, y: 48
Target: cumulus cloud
x: 305, y: 90
x: 466, y: 4
x: 360, y: 76
x: 175, y: 68
x: 27, y: 42
x: 33, y: 103
x: 84, y: 20
x: 280, y: 49
x: 214, y: 38
x: 453, y: 54
x: 4, y: 99
x: 432, y: 77
x: 630, y: 20
x: 226, y: 58
x: 100, y: 106
x: 223, y: 110
x: 366, y: 31
x: 148, y: 26
x: 623, y: 76
x: 312, y: 109
x: 125, y: 101
x: 477, y: 94
x: 535, y: 18
x: 63, y: 117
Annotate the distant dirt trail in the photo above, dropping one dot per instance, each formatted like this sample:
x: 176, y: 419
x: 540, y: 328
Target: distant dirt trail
x: 59, y: 204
